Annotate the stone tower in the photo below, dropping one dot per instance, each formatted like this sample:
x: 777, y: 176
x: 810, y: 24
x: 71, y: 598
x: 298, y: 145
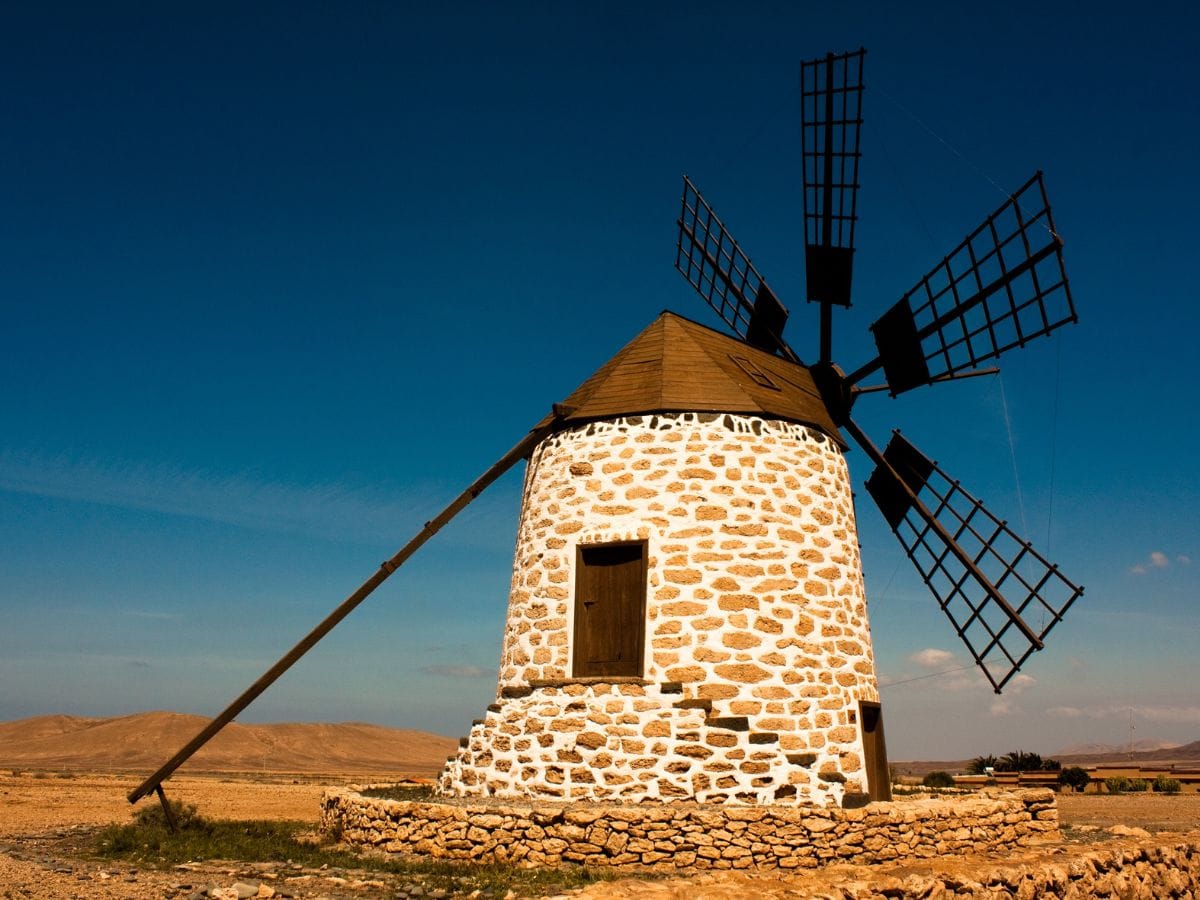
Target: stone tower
x: 687, y: 618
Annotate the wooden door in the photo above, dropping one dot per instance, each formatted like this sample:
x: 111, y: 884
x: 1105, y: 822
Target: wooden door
x: 879, y: 776
x: 610, y: 610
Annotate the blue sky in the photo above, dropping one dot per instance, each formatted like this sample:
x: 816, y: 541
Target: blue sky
x: 278, y: 280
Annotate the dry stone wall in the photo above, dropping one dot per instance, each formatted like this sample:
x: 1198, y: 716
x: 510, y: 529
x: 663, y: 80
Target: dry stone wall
x: 757, y: 646
x: 688, y: 835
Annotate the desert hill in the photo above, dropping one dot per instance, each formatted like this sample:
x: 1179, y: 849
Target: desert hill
x: 144, y: 741
x: 1185, y: 755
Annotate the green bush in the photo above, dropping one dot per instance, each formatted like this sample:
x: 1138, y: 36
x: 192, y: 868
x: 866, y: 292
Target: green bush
x: 1116, y: 785
x: 1137, y: 785
x: 1074, y: 777
x: 938, y: 780
x: 151, y: 816
x: 1165, y: 785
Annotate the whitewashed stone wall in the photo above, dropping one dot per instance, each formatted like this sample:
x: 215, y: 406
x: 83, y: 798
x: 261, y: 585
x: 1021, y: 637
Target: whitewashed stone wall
x: 757, y: 644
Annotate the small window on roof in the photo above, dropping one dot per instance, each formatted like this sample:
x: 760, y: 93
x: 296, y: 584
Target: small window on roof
x: 757, y: 375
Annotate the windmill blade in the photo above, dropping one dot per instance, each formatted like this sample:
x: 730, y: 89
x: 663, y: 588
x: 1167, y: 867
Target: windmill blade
x: 1003, y: 286
x: 831, y: 90
x: 971, y: 560
x: 712, y: 262
x: 520, y: 451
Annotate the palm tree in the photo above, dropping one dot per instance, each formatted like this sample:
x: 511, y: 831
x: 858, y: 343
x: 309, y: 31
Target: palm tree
x: 1020, y: 761
x: 980, y: 764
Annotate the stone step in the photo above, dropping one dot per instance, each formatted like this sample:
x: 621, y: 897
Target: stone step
x: 802, y: 759
x: 730, y: 723
x: 494, y: 707
x: 671, y: 687
x: 463, y: 741
x: 764, y: 737
x: 705, y: 705
x: 475, y: 722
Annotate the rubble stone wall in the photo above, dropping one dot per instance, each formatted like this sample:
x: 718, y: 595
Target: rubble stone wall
x: 757, y: 646
x: 688, y: 835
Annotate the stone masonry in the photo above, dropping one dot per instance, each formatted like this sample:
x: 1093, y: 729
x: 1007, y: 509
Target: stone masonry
x: 757, y: 647
x: 690, y: 836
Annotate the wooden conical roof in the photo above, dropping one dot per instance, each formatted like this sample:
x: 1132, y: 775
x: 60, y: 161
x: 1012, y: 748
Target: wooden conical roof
x: 676, y: 365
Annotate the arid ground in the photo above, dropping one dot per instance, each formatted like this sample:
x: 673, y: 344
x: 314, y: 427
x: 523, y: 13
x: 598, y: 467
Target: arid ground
x: 48, y: 822
x: 63, y: 779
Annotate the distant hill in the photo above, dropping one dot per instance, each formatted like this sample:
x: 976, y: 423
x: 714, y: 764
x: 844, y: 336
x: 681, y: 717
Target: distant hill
x: 1185, y: 755
x: 1096, y: 748
x: 144, y: 741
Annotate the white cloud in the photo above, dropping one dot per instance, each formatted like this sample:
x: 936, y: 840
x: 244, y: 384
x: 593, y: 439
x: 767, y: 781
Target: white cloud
x: 1065, y: 712
x: 932, y: 658
x: 1002, y: 707
x: 1020, y: 683
x: 1157, y: 560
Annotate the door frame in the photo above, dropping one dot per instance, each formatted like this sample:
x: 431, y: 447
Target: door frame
x: 573, y: 622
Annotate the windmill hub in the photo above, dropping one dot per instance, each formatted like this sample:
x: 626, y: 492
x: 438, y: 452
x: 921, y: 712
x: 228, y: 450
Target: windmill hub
x: 835, y: 390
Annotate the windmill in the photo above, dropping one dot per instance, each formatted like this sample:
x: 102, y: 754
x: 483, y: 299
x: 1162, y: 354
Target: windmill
x: 687, y: 617
x: 1001, y: 287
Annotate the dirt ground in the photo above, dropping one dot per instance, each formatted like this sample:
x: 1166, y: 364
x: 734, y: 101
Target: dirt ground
x: 44, y: 815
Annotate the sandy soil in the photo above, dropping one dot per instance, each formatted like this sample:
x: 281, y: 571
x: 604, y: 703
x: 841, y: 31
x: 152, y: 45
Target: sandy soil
x: 43, y: 816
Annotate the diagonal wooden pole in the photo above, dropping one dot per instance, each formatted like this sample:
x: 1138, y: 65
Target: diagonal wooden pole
x: 432, y: 527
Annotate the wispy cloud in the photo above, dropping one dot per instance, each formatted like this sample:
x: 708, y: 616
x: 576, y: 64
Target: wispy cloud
x: 330, y: 510
x: 459, y: 671
x: 1185, y: 714
x: 932, y: 658
x: 1157, y: 559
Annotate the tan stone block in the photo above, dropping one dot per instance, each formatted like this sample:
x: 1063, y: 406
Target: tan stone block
x: 725, y: 583
x: 740, y: 640
x: 746, y: 708
x: 682, y: 576
x: 742, y: 673
x: 684, y: 608
x: 775, y: 585
x: 665, y: 659
x: 844, y: 734
x: 767, y: 626
x: 736, y: 602
x: 816, y: 588
x: 581, y: 468
x: 708, y: 623
x: 709, y: 655
x: 670, y: 642
x: 686, y: 673
x: 771, y: 692
x: 746, y: 570
x: 746, y: 530
x: 657, y: 728
x: 721, y: 739
x: 773, y: 659
x: 671, y: 626
x: 693, y: 532
x: 716, y: 691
